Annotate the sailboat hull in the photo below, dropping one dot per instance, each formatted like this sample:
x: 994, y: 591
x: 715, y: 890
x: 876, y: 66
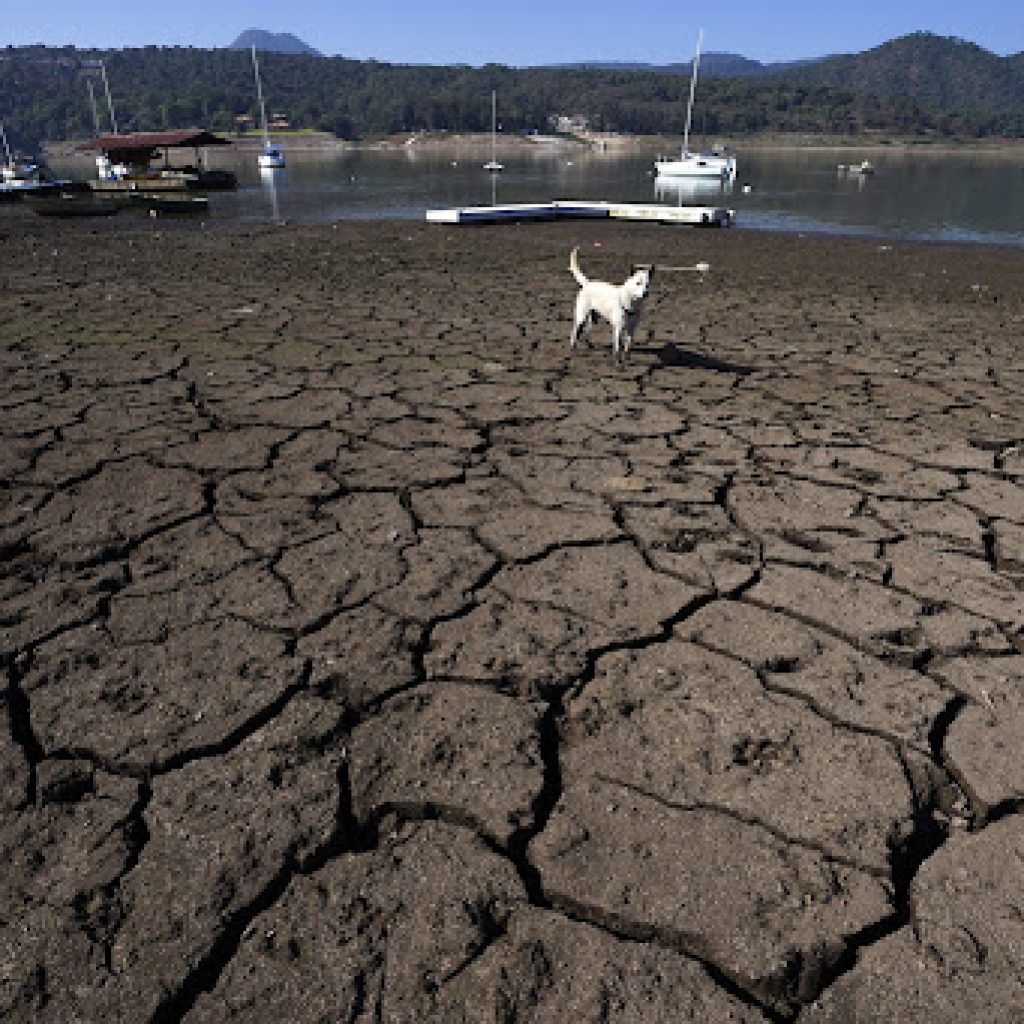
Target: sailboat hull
x: 270, y: 159
x: 698, y: 165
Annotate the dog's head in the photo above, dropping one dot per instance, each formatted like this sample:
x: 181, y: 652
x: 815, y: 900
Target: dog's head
x: 638, y: 284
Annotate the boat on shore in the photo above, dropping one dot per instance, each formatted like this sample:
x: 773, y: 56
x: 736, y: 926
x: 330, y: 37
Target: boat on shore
x: 20, y: 172
x: 713, y: 165
x: 13, y: 171
x: 125, y: 162
x: 20, y: 177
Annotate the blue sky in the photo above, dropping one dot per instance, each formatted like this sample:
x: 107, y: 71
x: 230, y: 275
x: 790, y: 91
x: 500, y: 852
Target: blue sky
x: 522, y: 31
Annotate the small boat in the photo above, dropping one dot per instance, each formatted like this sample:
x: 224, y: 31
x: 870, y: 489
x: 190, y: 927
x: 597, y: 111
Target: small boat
x: 272, y: 156
x: 18, y: 179
x: 492, y: 165
x: 696, y: 165
x: 14, y: 173
x: 24, y: 178
x: 864, y: 167
x: 18, y: 172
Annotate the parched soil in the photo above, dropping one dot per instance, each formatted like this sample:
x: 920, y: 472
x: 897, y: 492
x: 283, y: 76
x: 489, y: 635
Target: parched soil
x: 366, y: 658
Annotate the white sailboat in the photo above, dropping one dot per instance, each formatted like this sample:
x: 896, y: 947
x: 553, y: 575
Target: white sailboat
x: 272, y: 155
x: 492, y: 164
x: 696, y: 165
x: 16, y: 173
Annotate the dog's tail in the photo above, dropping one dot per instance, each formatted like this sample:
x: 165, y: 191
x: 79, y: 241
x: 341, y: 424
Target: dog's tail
x: 574, y: 268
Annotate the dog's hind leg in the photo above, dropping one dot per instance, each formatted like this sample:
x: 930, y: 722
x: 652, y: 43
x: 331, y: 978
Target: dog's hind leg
x: 582, y: 319
x: 574, y: 335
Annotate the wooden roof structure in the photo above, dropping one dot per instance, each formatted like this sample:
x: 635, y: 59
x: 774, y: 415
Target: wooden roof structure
x: 132, y: 147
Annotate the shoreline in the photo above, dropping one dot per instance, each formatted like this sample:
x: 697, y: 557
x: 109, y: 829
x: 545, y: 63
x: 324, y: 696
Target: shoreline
x: 310, y: 141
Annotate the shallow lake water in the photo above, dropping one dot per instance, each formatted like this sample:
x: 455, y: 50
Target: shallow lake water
x: 914, y: 193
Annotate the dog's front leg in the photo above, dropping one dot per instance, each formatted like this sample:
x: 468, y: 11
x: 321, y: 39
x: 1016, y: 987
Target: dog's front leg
x: 628, y: 327
x: 617, y: 328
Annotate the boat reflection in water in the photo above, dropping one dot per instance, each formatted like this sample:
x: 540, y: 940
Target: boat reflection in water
x: 691, y: 191
x: 270, y: 179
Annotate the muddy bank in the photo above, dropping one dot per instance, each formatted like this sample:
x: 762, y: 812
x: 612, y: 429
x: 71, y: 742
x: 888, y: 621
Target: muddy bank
x: 367, y: 658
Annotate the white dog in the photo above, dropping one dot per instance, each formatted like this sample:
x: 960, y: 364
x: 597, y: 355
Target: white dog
x: 619, y: 304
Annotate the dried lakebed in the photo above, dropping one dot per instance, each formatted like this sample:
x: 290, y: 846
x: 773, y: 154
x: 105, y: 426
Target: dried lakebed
x: 368, y: 659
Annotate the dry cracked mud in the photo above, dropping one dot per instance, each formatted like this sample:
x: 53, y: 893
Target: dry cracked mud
x: 366, y: 658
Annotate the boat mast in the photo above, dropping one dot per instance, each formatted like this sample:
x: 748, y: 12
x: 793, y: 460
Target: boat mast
x: 110, y: 102
x: 693, y: 89
x: 494, y: 126
x: 259, y: 93
x: 92, y: 104
x: 7, y: 148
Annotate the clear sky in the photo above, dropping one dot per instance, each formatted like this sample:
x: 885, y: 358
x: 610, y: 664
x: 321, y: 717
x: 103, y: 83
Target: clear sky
x: 521, y: 32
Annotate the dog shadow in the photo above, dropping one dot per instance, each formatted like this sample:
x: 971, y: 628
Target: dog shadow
x: 670, y: 356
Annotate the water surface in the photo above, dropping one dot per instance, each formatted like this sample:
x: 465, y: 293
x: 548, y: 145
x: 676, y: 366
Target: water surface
x: 951, y: 196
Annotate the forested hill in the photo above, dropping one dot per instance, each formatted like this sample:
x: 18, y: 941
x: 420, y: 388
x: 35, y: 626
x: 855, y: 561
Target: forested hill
x: 938, y: 72
x: 919, y: 84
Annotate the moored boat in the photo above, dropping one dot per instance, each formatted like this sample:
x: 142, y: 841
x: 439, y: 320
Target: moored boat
x: 125, y: 161
x: 493, y: 165
x: 864, y: 167
x: 272, y: 156
x: 714, y: 165
x: 19, y: 176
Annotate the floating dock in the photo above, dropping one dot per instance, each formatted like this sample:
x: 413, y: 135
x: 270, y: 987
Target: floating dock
x: 566, y: 209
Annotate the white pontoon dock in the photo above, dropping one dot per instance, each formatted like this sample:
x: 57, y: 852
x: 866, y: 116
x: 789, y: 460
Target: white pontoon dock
x: 566, y: 209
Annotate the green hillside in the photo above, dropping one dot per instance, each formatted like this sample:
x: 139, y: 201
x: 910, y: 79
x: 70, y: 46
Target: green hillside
x: 916, y: 85
x: 941, y: 73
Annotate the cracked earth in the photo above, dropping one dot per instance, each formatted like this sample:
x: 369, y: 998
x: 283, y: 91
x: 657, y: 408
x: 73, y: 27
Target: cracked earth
x: 367, y: 659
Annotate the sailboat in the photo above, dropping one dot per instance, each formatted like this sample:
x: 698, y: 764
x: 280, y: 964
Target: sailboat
x: 492, y: 164
x: 271, y: 156
x: 696, y: 165
x: 15, y: 171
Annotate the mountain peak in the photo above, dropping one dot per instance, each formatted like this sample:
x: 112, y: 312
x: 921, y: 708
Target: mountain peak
x: 272, y: 42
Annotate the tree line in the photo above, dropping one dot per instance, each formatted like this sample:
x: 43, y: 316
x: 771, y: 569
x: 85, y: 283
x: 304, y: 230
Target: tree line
x: 44, y: 96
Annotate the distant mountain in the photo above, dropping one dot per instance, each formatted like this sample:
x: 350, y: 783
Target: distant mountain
x: 712, y: 64
x: 272, y: 42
